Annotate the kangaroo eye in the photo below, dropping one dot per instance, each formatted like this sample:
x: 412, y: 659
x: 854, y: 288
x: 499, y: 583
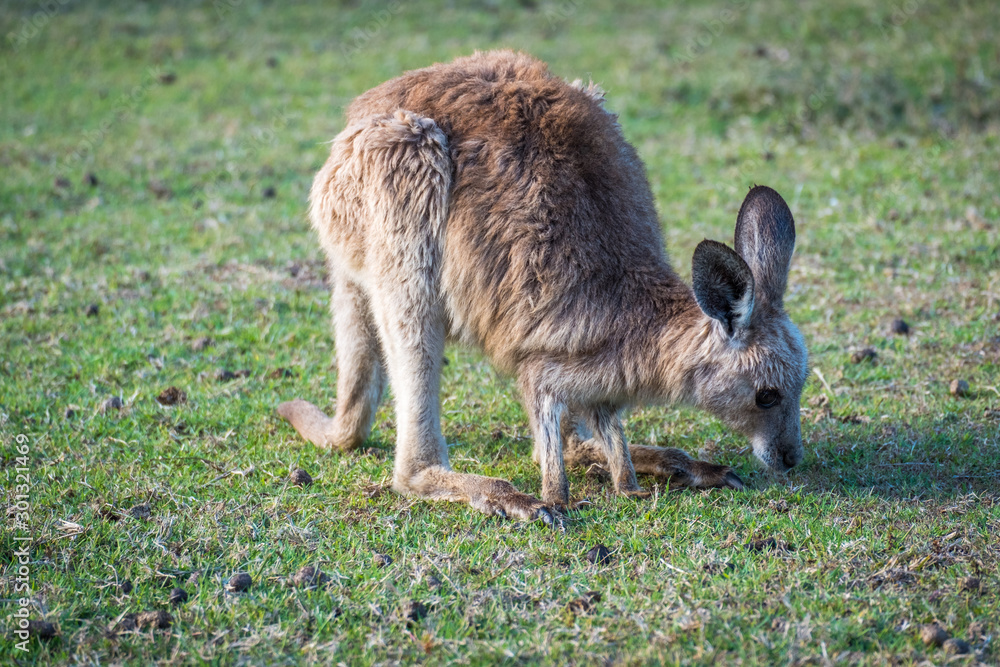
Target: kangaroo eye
x: 768, y: 398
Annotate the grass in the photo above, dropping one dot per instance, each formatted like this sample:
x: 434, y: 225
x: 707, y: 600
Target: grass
x: 880, y: 125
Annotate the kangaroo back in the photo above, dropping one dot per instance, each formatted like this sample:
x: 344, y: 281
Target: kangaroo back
x: 553, y: 240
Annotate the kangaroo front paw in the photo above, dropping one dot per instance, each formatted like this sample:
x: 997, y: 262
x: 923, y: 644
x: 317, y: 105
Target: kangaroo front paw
x: 704, y: 475
x: 733, y: 481
x: 682, y: 471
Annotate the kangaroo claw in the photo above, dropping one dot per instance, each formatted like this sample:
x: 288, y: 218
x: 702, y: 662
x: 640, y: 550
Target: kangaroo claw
x: 552, y: 518
x: 733, y: 481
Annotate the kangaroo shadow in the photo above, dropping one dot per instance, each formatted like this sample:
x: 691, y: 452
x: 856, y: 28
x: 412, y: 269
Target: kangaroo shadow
x: 923, y: 458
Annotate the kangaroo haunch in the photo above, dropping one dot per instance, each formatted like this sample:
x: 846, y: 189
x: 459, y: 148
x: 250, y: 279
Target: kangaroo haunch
x: 487, y: 201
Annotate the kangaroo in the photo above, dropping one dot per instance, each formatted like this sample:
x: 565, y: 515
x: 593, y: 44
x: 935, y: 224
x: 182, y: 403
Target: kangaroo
x: 489, y: 202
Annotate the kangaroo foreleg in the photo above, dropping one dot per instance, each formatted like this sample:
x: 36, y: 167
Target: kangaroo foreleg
x: 668, y: 463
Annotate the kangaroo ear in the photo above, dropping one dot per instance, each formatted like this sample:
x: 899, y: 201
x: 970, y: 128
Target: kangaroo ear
x: 723, y: 285
x: 765, y: 238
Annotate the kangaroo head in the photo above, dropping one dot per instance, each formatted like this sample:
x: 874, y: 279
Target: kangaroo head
x: 754, y: 362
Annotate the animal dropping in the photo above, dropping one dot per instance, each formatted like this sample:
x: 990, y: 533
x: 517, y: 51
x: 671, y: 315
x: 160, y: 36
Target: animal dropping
x: 933, y: 634
x: 41, y: 629
x: 971, y: 584
x: 487, y: 201
x: 158, y: 619
x: 599, y: 555
x: 309, y: 577
x: 239, y: 583
x: 957, y: 647
x: 300, y: 477
x: 171, y: 396
x: 111, y: 404
x: 867, y: 354
x: 899, y: 327
x: 412, y: 611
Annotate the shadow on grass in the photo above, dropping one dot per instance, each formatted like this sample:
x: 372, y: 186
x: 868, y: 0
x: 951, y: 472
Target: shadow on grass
x: 926, y: 458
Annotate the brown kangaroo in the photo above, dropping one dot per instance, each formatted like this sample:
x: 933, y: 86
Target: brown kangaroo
x: 489, y: 202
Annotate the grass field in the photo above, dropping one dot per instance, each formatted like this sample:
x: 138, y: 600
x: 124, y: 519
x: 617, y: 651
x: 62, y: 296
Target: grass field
x: 155, y: 162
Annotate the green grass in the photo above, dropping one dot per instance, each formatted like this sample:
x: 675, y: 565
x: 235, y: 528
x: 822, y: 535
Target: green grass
x: 879, y: 125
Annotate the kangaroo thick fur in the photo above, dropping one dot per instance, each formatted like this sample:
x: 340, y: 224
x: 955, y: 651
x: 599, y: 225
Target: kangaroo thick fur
x: 488, y: 202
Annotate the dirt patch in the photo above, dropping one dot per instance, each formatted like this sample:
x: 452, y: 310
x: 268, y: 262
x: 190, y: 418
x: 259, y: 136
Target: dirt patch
x: 769, y: 544
x: 584, y: 603
x: 202, y: 343
x: 373, y: 491
x: 779, y: 506
x: 899, y: 576
x: 160, y: 189
x: 178, y: 596
x: 719, y: 568
x: 432, y: 582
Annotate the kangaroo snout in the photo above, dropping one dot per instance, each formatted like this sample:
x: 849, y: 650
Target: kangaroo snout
x: 778, y: 441
x: 792, y: 457
x: 780, y: 456
x: 788, y: 455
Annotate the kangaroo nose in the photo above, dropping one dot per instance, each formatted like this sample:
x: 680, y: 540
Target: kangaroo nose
x: 791, y: 459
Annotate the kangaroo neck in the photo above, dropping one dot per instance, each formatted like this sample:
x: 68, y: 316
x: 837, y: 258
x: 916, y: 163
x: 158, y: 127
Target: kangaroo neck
x: 683, y: 341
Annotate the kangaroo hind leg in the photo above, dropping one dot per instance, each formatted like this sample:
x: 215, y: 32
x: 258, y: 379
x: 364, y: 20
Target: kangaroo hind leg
x: 409, y: 170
